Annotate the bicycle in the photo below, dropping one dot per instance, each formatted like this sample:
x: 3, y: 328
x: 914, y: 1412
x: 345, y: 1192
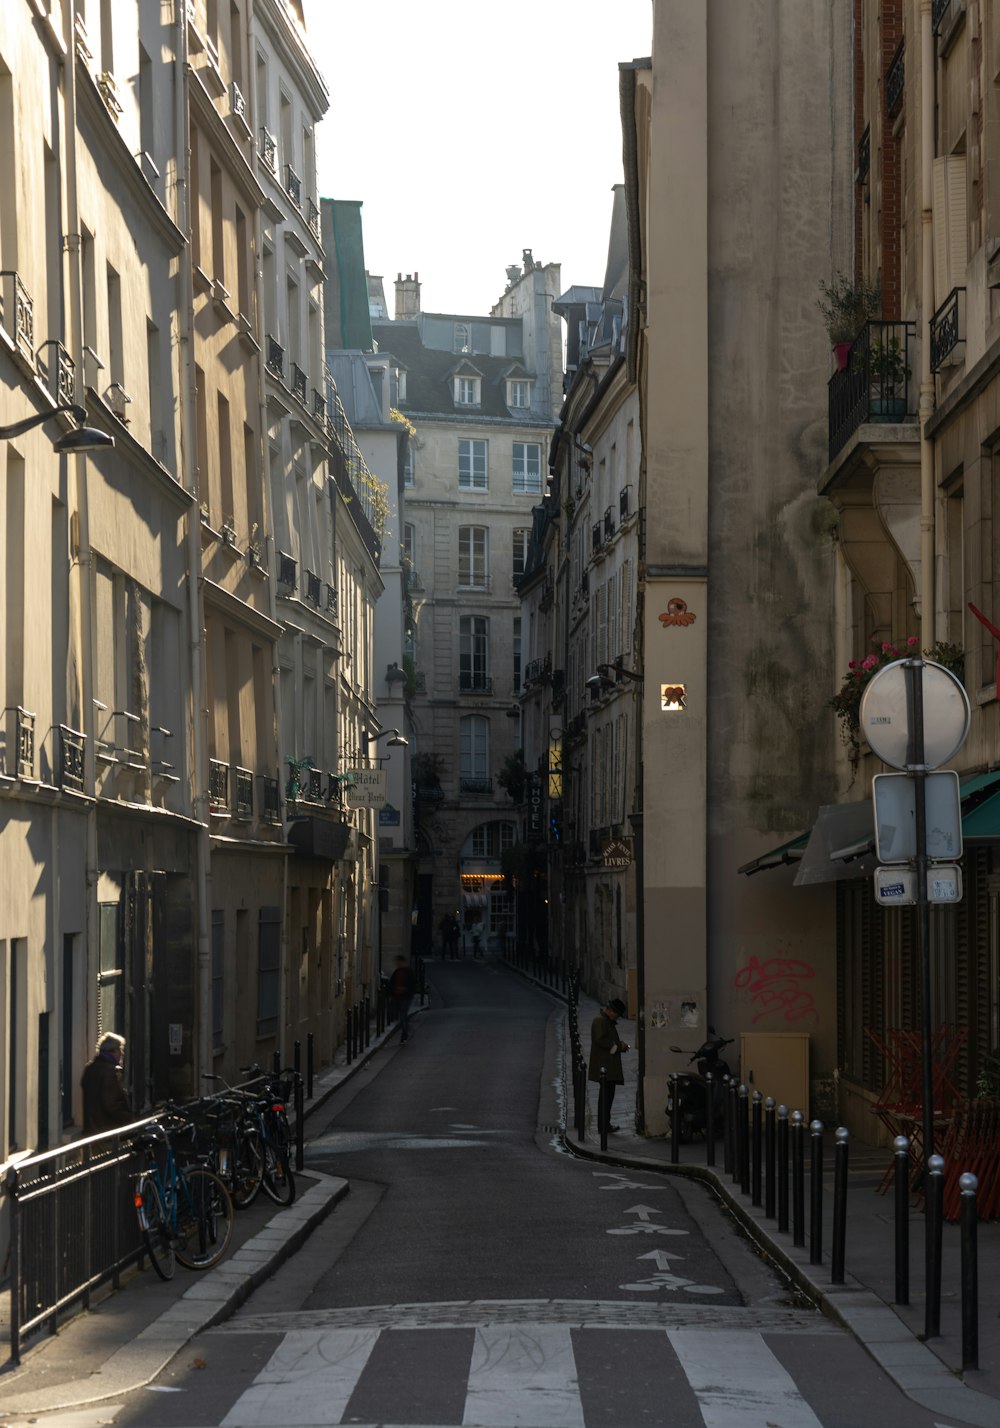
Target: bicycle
x: 184, y: 1212
x: 235, y: 1145
x: 272, y: 1121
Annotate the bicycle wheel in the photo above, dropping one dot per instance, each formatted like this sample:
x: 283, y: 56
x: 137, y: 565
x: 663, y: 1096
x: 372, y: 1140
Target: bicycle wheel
x: 279, y: 1182
x: 204, y: 1218
x: 248, y: 1166
x: 155, y: 1230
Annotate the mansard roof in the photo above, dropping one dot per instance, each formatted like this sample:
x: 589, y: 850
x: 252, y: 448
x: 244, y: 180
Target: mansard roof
x: 429, y: 373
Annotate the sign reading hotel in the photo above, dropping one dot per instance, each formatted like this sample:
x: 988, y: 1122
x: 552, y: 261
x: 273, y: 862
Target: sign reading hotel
x: 367, y: 788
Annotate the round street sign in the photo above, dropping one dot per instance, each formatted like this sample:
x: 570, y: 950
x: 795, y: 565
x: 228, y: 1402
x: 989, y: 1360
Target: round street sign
x: 886, y: 716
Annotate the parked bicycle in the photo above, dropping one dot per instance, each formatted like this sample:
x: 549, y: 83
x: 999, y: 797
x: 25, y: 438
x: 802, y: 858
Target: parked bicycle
x: 231, y: 1135
x: 184, y: 1211
x: 270, y: 1093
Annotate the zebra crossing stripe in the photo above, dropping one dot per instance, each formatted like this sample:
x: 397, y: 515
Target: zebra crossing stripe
x: 308, y: 1379
x: 522, y: 1375
x: 738, y: 1382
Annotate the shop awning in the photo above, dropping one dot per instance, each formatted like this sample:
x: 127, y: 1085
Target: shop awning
x: 789, y: 852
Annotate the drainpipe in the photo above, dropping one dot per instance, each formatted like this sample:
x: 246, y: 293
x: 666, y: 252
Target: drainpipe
x: 927, y: 543
x: 188, y: 466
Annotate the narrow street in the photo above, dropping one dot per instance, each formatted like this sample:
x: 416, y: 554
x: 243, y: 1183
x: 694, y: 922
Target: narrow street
x: 478, y: 1275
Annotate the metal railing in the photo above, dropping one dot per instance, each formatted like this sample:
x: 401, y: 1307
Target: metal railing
x: 72, y: 751
x: 475, y: 683
x: 267, y: 149
x: 895, y: 79
x: 243, y: 791
x: 947, y: 328
x: 270, y: 799
x: 218, y: 786
x: 874, y: 386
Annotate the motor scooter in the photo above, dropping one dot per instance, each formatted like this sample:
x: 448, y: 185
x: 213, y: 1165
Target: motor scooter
x: 689, y: 1090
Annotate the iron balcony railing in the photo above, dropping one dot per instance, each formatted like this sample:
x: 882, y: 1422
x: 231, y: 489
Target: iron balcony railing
x: 56, y: 367
x: 939, y: 8
x: 331, y: 600
x: 624, y: 503
x: 268, y: 149
x: 947, y: 328
x: 596, y: 538
x: 319, y: 407
x: 314, y: 588
x: 18, y: 312
x: 72, y: 758
x: 895, y: 78
x: 875, y: 384
x: 218, y: 786
x: 476, y: 786
x: 270, y: 799
x: 864, y: 156
x: 299, y: 383
x: 472, y: 682
x: 537, y: 669
x: 313, y: 791
x: 312, y: 216
x: 243, y: 786
x: 24, y: 736
x: 293, y: 185
x: 609, y: 523
x: 275, y: 357
x: 287, y: 569
x: 237, y: 101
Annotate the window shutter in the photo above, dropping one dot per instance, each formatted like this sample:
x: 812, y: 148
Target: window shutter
x: 950, y: 225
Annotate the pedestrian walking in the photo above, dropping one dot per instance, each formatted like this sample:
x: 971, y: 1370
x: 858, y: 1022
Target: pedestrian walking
x: 606, y: 1048
x: 449, y: 934
x: 105, y: 1100
x: 402, y: 986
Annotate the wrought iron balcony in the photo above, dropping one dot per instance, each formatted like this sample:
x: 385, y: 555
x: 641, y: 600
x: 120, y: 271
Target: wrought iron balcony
x: 293, y: 185
x: 312, y: 791
x: 267, y: 149
x: 624, y: 503
x: 312, y: 216
x: 472, y: 682
x: 319, y: 407
x: 24, y: 735
x: 218, y: 787
x: 939, y: 8
x: 331, y: 600
x: 18, y: 312
x: 270, y: 799
x: 596, y: 538
x: 874, y: 386
x: 895, y: 79
x: 477, y: 787
x: 287, y: 570
x: 609, y: 523
x: 299, y: 383
x: 72, y: 758
x: 537, y: 669
x: 237, y: 101
x: 275, y: 357
x: 947, y: 328
x: 243, y: 786
x: 56, y: 367
x: 314, y: 588
x: 864, y: 156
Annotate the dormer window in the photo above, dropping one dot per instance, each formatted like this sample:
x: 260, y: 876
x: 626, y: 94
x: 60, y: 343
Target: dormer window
x: 467, y: 391
x: 518, y: 393
x: 397, y: 386
x: 461, y: 337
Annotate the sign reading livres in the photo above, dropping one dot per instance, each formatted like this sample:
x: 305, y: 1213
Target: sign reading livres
x: 617, y: 853
x: 367, y: 788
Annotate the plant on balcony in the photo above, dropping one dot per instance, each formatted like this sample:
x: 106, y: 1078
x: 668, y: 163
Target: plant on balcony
x: 295, y: 785
x: 888, y: 374
x: 513, y: 776
x: 846, y: 703
x: 846, y: 305
x: 427, y: 770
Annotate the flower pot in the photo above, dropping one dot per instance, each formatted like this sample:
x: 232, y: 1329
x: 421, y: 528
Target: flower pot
x: 841, y: 354
x: 888, y: 408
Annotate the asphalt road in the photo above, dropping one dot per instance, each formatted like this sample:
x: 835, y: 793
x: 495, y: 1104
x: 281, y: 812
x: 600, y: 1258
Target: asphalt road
x: 479, y: 1275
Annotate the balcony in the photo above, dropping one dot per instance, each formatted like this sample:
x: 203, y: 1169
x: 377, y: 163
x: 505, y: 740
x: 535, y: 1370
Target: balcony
x: 108, y: 89
x: 331, y: 600
x: 609, y: 524
x: 864, y: 156
x: 299, y: 383
x: 237, y: 102
x: 874, y: 385
x: 267, y: 149
x: 319, y: 410
x: 243, y: 789
x: 293, y: 186
x: 596, y: 538
x: 270, y: 799
x: 537, y: 669
x: 476, y: 787
x: 287, y: 571
x: 895, y: 79
x: 72, y: 758
x: 56, y: 368
x: 218, y: 788
x: 947, y: 329
x: 472, y: 682
x: 18, y: 313
x: 24, y: 736
x: 312, y: 217
x: 314, y: 589
x: 624, y: 503
x: 275, y: 358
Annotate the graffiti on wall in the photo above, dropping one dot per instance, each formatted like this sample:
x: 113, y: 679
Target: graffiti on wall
x: 778, y: 987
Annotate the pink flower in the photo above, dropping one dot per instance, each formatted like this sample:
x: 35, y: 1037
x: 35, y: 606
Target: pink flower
x: 912, y: 640
x: 887, y: 648
x: 869, y: 662
x: 852, y: 664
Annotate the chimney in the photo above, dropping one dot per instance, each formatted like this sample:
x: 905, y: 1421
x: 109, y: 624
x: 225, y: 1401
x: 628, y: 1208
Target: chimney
x: 407, y: 295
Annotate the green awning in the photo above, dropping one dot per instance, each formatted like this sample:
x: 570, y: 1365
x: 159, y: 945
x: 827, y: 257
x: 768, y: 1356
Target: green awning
x: 789, y: 852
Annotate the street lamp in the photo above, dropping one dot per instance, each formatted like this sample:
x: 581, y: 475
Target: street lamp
x: 83, y: 438
x: 393, y: 737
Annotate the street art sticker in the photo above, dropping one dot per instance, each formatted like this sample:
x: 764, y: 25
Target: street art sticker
x: 677, y: 613
x: 674, y: 1011
x: 775, y: 987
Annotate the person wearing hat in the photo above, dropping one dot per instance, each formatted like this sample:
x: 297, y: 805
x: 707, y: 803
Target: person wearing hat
x: 606, y: 1048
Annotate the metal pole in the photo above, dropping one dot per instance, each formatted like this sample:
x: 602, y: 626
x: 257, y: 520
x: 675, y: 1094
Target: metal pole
x: 675, y: 1120
x: 933, y: 1212
x: 10, y: 1189
x: 816, y: 1193
x: 970, y: 1272
x: 297, y: 1051
x: 743, y: 1130
x: 839, y: 1207
x: 798, y: 1180
x: 734, y: 1130
x: 727, y: 1127
x: 783, y: 1170
x: 769, y: 1157
x: 300, y: 1123
x: 901, y: 1187
x: 709, y: 1119
x: 756, y: 1165
x: 310, y: 1065
x: 602, y: 1110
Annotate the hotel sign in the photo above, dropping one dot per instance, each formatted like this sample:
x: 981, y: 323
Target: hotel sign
x: 367, y: 788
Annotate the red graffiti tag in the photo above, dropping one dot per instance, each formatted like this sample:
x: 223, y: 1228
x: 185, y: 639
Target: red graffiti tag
x: 774, y: 987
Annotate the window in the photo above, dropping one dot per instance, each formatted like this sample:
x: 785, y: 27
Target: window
x: 473, y: 556
x: 472, y: 474
x: 218, y: 973
x: 519, y: 394
x: 409, y: 542
x: 520, y: 552
x: 461, y: 337
x: 517, y: 653
x: 467, y: 391
x: 408, y: 467
x: 473, y: 748
x: 528, y: 467
x: 473, y: 653
x: 489, y: 840
x: 268, y: 962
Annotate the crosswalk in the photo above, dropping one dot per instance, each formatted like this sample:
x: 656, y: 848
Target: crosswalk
x: 549, y: 1365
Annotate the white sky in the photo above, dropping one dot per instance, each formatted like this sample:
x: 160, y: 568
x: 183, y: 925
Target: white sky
x: 473, y: 129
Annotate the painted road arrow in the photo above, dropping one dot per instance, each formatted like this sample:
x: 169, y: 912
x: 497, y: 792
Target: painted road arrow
x: 643, y: 1211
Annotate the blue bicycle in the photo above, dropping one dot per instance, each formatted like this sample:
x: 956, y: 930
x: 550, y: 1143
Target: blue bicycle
x: 184, y: 1211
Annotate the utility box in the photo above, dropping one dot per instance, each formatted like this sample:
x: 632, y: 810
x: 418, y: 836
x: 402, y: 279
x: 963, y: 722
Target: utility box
x: 776, y: 1063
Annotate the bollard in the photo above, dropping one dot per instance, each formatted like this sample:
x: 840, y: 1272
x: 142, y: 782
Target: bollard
x: 368, y: 1020
x: 709, y: 1119
x: 755, y: 1167
x: 934, y: 1213
x: 581, y: 1072
x: 276, y: 1063
x: 602, y: 1111
x: 348, y: 1038
x: 727, y: 1127
x: 675, y: 1120
x: 968, y: 1185
x: 743, y: 1132
x: 901, y: 1191
x: 734, y: 1128
x: 769, y: 1157
x: 816, y: 1193
x: 309, y: 1065
x: 798, y: 1180
x: 300, y: 1123
x: 783, y: 1170
x: 838, y: 1246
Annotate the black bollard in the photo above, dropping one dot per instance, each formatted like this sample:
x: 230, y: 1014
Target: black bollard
x: 309, y: 1065
x: 901, y: 1192
x: 675, y: 1120
x: 709, y: 1119
x: 348, y: 1037
x: 816, y: 1193
x: 769, y: 1157
x: 581, y: 1100
x: 368, y: 1020
x: 782, y: 1170
x: 276, y: 1063
x: 300, y: 1123
x: 968, y: 1185
x: 297, y: 1056
x: 755, y: 1167
x: 743, y: 1132
x: 838, y: 1246
x: 734, y: 1128
x: 727, y: 1127
x: 798, y: 1180
x: 934, y: 1211
x: 602, y: 1110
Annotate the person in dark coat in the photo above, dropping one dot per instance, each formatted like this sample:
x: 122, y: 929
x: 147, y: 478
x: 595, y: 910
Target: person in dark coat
x: 606, y: 1048
x: 105, y: 1100
x: 402, y: 985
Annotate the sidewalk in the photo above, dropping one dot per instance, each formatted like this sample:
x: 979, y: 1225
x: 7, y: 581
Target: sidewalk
x: 128, y: 1337
x: 928, y: 1372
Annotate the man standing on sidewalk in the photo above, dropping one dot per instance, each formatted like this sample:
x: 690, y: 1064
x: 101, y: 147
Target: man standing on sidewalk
x: 606, y: 1048
x: 402, y: 985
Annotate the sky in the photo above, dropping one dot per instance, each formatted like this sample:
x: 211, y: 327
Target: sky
x: 471, y: 130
